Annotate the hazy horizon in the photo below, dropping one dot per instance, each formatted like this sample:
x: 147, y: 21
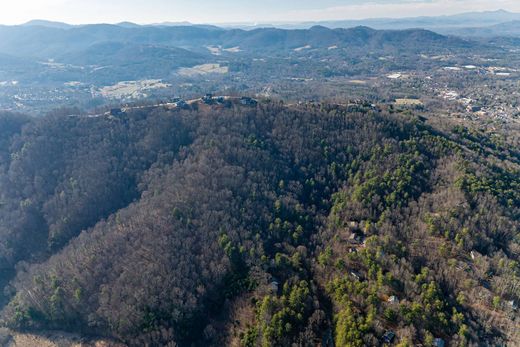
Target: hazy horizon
x: 234, y: 11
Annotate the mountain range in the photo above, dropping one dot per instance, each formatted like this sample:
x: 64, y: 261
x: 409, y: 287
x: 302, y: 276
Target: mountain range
x: 487, y: 23
x: 442, y: 23
x: 105, y: 53
x: 57, y: 43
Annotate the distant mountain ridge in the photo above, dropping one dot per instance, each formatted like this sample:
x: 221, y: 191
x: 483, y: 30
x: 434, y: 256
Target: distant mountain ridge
x: 469, y: 19
x: 47, y: 24
x: 105, y: 54
x: 461, y: 20
x: 507, y: 29
x: 55, y: 43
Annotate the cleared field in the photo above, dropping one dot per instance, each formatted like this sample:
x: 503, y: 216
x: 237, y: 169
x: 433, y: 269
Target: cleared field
x: 217, y: 50
x: 408, y: 102
x: 203, y: 70
x: 131, y: 89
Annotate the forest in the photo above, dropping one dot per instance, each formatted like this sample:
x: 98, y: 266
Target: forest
x: 271, y: 225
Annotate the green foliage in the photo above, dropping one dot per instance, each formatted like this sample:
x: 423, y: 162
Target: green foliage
x: 325, y: 256
x: 496, y: 302
x: 349, y: 330
x: 350, y: 327
x: 503, y: 184
x: 390, y: 315
x: 249, y: 338
x: 402, y: 180
x: 280, y: 317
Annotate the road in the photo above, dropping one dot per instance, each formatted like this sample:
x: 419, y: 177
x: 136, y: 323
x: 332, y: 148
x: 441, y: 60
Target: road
x: 168, y: 105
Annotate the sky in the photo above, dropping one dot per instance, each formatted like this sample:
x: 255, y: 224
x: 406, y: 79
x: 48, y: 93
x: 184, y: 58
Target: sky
x: 234, y: 11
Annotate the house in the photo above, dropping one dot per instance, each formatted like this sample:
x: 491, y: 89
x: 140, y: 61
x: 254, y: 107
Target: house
x: 274, y: 286
x: 355, y: 238
x: 513, y: 304
x: 438, y: 342
x: 208, y: 99
x: 247, y: 101
x: 388, y: 337
x: 393, y: 299
x: 356, y: 275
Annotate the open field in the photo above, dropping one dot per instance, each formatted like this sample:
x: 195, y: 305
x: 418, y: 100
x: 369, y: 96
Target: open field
x: 203, y: 69
x: 131, y: 89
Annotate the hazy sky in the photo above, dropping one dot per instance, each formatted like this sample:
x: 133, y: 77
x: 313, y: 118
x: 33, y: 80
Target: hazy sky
x: 226, y: 11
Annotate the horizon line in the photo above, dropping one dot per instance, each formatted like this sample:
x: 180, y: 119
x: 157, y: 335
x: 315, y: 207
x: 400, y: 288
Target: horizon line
x: 254, y: 23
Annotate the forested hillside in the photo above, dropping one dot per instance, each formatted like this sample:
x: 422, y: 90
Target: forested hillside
x: 260, y: 226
